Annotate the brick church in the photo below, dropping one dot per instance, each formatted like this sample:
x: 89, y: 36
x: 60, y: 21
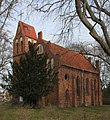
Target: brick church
x: 78, y: 80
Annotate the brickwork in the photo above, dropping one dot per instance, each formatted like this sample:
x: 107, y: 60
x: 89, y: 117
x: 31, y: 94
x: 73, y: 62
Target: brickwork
x: 70, y: 67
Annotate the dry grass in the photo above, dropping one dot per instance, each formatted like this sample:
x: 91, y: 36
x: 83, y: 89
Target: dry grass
x: 7, y: 112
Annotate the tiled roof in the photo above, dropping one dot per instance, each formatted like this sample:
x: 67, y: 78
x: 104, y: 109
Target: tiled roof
x: 72, y: 58
x: 67, y: 57
x: 28, y: 30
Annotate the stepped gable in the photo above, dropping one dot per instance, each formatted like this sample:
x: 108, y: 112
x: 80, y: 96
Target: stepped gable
x: 72, y: 58
x: 28, y: 30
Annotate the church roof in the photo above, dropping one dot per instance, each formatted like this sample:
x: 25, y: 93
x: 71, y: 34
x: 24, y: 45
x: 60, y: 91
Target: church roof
x: 28, y: 30
x: 67, y: 57
x: 72, y: 58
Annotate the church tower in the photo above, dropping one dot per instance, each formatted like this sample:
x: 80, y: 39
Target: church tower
x: 24, y: 35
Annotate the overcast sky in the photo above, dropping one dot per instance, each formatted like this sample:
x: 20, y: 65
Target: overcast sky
x: 47, y: 26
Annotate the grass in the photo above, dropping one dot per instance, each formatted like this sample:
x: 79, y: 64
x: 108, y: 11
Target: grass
x: 7, y: 112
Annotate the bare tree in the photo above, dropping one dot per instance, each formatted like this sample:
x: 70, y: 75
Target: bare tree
x: 94, y: 14
x: 6, y: 6
x: 5, y: 51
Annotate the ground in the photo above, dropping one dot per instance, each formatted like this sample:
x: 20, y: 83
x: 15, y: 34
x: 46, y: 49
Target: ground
x: 9, y: 112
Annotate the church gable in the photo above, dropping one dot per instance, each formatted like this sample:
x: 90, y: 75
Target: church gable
x: 27, y: 30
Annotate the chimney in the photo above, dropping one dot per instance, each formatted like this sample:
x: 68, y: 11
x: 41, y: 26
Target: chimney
x: 89, y: 59
x: 40, y: 35
x: 81, y: 52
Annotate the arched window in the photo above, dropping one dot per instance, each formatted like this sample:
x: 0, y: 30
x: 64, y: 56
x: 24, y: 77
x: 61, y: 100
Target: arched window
x: 35, y: 42
x: 29, y: 40
x: 66, y: 77
x: 16, y: 42
x: 87, y: 87
x: 78, y: 86
x: 40, y: 49
x: 95, y: 86
x: 21, y: 41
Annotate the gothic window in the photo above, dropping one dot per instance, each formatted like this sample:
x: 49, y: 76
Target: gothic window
x: 16, y: 47
x: 77, y: 86
x: 16, y: 42
x: 95, y: 86
x: 21, y: 41
x: 66, y: 77
x: 21, y: 46
x: 29, y: 40
x: 87, y: 87
x: 40, y: 49
x: 35, y: 42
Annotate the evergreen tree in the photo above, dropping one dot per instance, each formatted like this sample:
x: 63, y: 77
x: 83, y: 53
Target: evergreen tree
x: 32, y: 78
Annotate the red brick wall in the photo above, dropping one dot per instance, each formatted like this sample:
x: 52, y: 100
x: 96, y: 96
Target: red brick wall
x: 70, y: 84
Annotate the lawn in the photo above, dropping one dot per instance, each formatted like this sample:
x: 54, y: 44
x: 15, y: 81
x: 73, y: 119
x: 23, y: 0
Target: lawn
x: 8, y: 112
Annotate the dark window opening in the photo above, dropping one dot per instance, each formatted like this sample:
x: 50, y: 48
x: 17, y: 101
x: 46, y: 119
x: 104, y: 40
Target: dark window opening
x: 29, y: 42
x: 87, y: 87
x: 95, y: 86
x: 77, y: 87
x: 66, y: 76
x: 16, y: 47
x: 21, y: 46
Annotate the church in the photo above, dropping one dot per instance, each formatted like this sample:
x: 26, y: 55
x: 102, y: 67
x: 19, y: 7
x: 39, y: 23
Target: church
x: 78, y: 81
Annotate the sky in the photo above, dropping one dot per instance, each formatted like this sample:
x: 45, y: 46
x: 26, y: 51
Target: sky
x: 47, y: 26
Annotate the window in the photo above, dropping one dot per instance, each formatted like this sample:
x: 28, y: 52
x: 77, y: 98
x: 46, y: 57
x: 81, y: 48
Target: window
x: 29, y: 40
x: 16, y: 47
x: 77, y: 86
x: 21, y: 46
x: 40, y: 49
x: 35, y: 42
x: 16, y: 42
x: 95, y: 86
x: 66, y: 77
x: 87, y: 87
x: 21, y: 41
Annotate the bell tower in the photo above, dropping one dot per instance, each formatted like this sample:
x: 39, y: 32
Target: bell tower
x: 24, y: 35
